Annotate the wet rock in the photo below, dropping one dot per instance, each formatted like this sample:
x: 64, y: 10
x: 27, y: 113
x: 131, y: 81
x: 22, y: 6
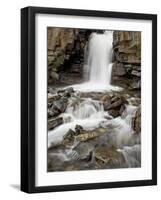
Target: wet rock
x: 78, y: 129
x: 106, y: 105
x: 115, y: 106
x: 85, y: 136
x: 134, y: 101
x: 115, y: 102
x: 83, y: 151
x: 56, y: 105
x: 60, y: 104
x: 108, y: 157
x: 68, y: 138
x: 54, y: 75
x: 69, y: 90
x: 114, y: 113
x: 53, y: 112
x: 136, y: 122
x: 53, y: 97
x: 105, y: 98
x: 51, y: 90
x: 66, y: 92
x: 106, y: 102
x: 50, y: 104
x: 54, y: 122
x: 54, y: 163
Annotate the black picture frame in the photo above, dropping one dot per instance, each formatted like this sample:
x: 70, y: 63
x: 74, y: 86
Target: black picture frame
x: 28, y: 98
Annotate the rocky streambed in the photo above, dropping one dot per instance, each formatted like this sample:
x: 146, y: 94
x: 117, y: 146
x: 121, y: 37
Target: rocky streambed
x: 94, y: 99
x: 93, y: 130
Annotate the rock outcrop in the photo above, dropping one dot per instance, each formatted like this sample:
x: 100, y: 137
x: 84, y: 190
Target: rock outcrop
x: 114, y: 104
x: 65, y: 51
x: 127, y: 59
x: 136, y: 122
x: 57, y: 104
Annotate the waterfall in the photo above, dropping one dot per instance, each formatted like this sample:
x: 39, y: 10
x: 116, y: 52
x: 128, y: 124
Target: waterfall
x: 98, y: 67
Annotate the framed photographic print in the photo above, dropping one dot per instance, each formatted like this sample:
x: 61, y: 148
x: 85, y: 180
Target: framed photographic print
x: 88, y: 99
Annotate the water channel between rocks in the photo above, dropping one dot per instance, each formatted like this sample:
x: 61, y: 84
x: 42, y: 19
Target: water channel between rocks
x: 96, y: 128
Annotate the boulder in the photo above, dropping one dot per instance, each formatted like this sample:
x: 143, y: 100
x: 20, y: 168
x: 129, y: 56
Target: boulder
x: 115, y: 106
x: 68, y: 138
x: 83, y: 151
x: 66, y: 92
x: 136, y: 122
x: 53, y: 97
x: 53, y: 112
x: 105, y: 98
x: 115, y: 102
x: 106, y: 105
x: 114, y: 113
x: 87, y: 135
x: 108, y: 157
x: 78, y: 129
x: 54, y: 122
x: 54, y: 75
x: 60, y: 104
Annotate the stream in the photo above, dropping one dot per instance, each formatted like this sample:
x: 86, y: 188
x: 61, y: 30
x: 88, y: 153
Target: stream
x: 96, y: 131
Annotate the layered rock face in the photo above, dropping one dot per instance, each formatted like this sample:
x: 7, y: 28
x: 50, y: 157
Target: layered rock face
x: 65, y: 52
x: 127, y: 59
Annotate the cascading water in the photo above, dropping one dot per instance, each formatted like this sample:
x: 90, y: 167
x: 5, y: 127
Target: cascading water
x: 87, y: 113
x: 99, y: 58
x: 90, y: 114
x: 98, y: 66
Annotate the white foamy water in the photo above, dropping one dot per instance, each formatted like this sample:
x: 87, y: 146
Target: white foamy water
x: 87, y: 108
x: 99, y: 58
x: 88, y: 113
x: 98, y: 66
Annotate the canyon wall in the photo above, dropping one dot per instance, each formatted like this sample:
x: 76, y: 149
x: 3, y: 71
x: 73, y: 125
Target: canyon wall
x: 127, y: 59
x: 65, y: 52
